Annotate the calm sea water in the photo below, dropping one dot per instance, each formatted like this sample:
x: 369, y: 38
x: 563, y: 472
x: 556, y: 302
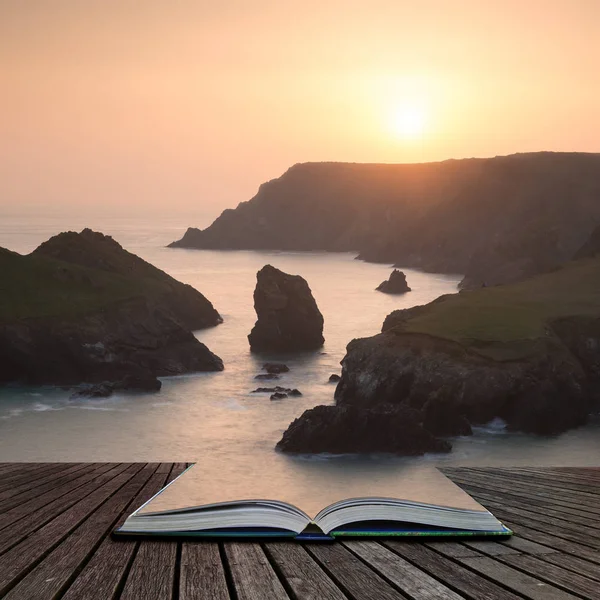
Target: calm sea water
x: 213, y: 417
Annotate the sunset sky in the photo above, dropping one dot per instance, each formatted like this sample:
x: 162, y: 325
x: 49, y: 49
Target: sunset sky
x: 189, y: 104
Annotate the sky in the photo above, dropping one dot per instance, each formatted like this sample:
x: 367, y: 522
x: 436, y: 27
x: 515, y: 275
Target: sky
x: 188, y: 105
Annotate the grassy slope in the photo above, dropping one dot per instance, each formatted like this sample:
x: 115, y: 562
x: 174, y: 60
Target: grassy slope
x: 36, y: 286
x: 505, y: 322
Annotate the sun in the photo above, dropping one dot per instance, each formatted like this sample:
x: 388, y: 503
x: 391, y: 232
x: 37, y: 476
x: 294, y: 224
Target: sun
x: 408, y: 122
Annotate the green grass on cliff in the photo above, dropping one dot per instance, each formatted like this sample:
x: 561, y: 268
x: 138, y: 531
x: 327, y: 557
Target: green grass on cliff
x: 506, y: 321
x: 37, y: 286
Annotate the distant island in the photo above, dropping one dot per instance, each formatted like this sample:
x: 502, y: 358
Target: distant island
x: 81, y: 309
x: 496, y: 220
x: 528, y: 353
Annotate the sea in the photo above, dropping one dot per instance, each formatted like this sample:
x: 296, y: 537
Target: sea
x: 215, y: 418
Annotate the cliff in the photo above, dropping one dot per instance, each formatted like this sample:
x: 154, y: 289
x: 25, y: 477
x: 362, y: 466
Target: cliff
x: 527, y: 352
x: 96, y: 314
x: 497, y: 220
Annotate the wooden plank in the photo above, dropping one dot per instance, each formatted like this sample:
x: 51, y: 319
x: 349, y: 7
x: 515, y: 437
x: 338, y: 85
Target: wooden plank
x: 38, y: 485
x: 202, y: 576
x: 411, y: 580
x: 524, y: 584
x: 555, y: 542
x: 154, y: 561
x: 252, y: 575
x: 515, y: 494
x: 52, y: 575
x: 18, y: 478
x: 527, y: 546
x: 15, y: 563
x: 103, y: 574
x: 556, y: 575
x: 455, y: 576
x: 29, y: 502
x: 152, y: 573
x: 302, y: 574
x: 491, y: 548
x: 351, y: 574
x: 21, y: 527
x: 482, y: 485
x: 574, y: 563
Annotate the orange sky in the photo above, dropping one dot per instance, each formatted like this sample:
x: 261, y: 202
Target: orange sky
x: 190, y: 104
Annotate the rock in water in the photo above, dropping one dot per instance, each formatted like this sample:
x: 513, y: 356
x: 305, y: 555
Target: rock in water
x: 288, y: 317
x: 396, y: 284
x: 333, y: 378
x: 278, y: 396
x: 276, y: 368
x: 341, y: 429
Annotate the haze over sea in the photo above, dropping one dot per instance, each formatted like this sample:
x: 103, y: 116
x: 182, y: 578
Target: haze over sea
x: 214, y: 417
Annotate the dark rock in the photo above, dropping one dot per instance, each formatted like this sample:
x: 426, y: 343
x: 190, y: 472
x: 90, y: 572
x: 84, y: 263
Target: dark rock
x: 142, y: 382
x: 63, y: 323
x: 545, y: 393
x: 276, y: 368
x: 267, y: 376
x: 440, y: 416
x: 334, y: 378
x: 396, y: 284
x: 278, y: 396
x: 98, y: 390
x: 288, y: 317
x: 277, y: 388
x: 345, y: 429
x: 99, y: 252
x: 397, y: 318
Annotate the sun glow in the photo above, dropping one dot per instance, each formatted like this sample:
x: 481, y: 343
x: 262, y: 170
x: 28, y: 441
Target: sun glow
x: 409, y: 122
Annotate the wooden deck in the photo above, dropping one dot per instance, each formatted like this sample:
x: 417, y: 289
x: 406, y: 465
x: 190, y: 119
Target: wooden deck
x: 56, y: 519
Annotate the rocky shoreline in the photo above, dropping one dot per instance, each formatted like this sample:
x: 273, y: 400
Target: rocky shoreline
x: 81, y: 309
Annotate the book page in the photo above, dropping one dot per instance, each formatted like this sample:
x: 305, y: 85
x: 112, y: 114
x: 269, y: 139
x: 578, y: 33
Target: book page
x: 205, y: 484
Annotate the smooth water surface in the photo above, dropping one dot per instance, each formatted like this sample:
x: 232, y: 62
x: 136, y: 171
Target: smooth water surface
x: 214, y: 417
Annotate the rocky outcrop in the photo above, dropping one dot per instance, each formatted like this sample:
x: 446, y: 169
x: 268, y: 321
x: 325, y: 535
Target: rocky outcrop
x: 288, y: 317
x: 334, y: 378
x: 99, y: 252
x: 396, y: 284
x: 276, y: 368
x: 277, y: 389
x: 65, y: 322
x: 131, y: 383
x: 350, y: 429
x: 496, y: 220
x: 545, y: 393
x: 131, y: 341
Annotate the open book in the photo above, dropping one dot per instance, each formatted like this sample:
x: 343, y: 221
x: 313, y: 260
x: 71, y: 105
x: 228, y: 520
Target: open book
x: 421, y: 503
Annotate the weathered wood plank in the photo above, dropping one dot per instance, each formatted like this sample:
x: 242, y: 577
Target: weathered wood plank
x: 202, y: 576
x: 103, y: 574
x: 55, y: 571
x: 34, y: 486
x: 574, y: 563
x: 416, y: 584
x: 351, y: 574
x: 253, y: 576
x: 152, y: 573
x: 515, y: 580
x: 18, y: 478
x: 155, y: 561
x: 26, y: 504
x: 15, y: 563
x: 303, y: 575
x: 19, y: 527
x: 455, y: 576
x: 555, y: 575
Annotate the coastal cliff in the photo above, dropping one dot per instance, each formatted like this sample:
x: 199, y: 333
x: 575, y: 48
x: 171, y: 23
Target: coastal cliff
x: 82, y: 309
x: 497, y: 220
x: 528, y: 353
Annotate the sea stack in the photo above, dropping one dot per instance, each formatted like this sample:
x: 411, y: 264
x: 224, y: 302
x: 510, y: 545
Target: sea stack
x: 288, y: 317
x: 396, y: 284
